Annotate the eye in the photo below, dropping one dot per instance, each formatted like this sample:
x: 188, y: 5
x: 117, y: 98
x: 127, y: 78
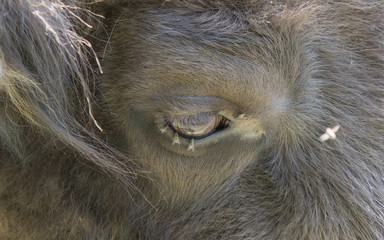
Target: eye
x: 198, y: 126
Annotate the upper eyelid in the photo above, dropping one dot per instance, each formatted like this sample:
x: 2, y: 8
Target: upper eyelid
x: 191, y: 105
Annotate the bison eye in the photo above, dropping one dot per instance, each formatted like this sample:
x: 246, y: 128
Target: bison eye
x: 198, y: 126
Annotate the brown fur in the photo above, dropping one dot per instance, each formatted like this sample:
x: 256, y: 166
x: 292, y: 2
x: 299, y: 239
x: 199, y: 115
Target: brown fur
x: 82, y: 155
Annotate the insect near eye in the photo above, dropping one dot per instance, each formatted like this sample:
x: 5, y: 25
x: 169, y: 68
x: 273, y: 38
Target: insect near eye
x: 198, y: 126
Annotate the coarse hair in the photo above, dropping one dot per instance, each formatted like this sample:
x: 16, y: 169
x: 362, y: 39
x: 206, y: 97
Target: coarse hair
x: 47, y: 79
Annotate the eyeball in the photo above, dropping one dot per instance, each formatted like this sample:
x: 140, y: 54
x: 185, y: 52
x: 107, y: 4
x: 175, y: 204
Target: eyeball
x: 199, y: 125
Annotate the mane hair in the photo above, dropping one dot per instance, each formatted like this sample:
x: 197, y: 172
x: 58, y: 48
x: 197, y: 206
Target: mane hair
x: 47, y: 79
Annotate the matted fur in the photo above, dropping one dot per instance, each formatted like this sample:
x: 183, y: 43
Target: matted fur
x: 85, y: 88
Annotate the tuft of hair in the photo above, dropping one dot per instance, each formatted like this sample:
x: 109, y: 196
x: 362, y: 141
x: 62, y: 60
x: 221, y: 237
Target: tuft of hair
x: 46, y: 80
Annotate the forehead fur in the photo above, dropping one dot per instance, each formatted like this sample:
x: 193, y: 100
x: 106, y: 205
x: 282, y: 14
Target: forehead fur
x: 247, y: 6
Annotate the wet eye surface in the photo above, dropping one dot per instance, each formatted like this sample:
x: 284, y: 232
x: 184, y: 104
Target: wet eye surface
x: 198, y: 126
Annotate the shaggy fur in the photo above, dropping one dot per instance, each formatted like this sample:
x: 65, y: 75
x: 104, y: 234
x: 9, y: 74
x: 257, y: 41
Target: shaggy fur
x: 86, y: 88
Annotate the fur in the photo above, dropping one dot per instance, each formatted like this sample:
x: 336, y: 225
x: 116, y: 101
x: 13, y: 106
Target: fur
x: 85, y: 88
